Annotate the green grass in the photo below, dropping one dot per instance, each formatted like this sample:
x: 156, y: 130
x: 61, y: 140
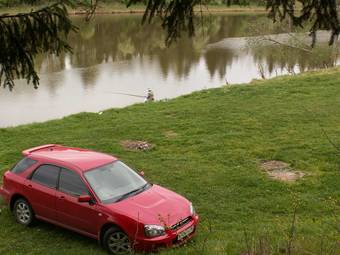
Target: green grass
x: 222, y: 136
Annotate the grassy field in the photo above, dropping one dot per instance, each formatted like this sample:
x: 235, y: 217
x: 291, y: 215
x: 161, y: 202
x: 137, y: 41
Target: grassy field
x: 208, y: 147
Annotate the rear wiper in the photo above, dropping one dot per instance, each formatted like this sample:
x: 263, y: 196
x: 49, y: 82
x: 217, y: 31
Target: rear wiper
x: 133, y: 192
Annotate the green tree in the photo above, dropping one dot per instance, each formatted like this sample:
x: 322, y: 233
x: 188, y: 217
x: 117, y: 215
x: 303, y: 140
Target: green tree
x: 23, y: 36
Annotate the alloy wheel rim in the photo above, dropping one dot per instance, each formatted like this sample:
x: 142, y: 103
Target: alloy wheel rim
x: 119, y: 243
x: 23, y: 213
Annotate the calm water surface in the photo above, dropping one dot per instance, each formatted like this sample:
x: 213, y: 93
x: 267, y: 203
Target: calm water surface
x: 114, y: 56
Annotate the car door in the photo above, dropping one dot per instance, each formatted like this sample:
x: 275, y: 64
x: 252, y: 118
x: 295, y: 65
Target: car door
x: 77, y: 215
x: 40, y: 190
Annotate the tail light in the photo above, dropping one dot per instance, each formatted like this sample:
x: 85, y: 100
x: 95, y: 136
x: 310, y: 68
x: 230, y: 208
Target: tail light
x: 4, y: 179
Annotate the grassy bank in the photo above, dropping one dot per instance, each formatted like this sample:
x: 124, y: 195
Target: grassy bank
x: 118, y: 8
x: 208, y: 147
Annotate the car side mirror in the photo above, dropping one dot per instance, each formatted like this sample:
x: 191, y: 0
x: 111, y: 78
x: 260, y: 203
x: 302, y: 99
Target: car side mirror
x: 141, y: 173
x: 84, y: 199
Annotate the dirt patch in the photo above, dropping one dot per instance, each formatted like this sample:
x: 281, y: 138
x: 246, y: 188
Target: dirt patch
x: 136, y: 145
x: 170, y: 134
x: 281, y: 171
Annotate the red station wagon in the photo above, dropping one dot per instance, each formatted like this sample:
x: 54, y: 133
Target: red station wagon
x: 99, y: 196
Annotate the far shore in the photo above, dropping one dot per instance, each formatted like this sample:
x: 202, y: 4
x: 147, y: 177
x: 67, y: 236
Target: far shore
x: 139, y: 9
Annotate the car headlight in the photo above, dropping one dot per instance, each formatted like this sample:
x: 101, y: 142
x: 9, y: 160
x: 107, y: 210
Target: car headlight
x: 154, y: 230
x: 192, y: 209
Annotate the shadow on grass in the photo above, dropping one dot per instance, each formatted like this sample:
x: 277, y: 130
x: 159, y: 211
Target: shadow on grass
x: 38, y: 237
x: 65, y: 233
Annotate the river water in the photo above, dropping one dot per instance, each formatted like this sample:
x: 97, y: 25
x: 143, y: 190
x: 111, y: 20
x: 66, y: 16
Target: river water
x: 116, y: 60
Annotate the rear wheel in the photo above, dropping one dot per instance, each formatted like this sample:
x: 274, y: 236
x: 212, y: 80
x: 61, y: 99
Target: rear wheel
x: 23, y: 212
x: 116, y: 242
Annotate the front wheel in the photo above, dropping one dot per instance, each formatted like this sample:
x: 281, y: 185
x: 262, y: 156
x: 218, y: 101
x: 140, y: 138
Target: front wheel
x: 117, y: 242
x: 23, y: 212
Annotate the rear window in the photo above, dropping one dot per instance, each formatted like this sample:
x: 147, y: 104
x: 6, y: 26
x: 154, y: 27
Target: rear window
x: 46, y: 175
x: 22, y: 165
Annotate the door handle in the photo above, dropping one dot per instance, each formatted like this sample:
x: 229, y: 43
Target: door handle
x: 29, y: 185
x: 61, y: 197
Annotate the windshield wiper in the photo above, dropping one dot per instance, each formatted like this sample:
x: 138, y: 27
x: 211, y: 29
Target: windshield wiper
x: 133, y: 192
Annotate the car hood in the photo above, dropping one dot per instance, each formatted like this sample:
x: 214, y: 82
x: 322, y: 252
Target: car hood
x: 156, y: 205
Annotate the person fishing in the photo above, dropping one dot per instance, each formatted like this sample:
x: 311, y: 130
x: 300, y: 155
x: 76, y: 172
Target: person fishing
x: 150, y: 97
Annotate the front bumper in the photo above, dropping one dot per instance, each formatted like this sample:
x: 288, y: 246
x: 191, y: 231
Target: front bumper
x: 168, y: 240
x: 4, y: 194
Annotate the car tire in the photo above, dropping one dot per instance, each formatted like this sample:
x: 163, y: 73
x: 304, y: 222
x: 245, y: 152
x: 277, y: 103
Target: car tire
x: 116, y: 242
x: 23, y: 212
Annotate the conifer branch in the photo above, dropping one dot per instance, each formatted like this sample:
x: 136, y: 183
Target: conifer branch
x: 322, y: 14
x: 25, y: 35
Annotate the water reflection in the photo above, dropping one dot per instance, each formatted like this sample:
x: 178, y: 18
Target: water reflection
x: 114, y: 56
x: 276, y: 57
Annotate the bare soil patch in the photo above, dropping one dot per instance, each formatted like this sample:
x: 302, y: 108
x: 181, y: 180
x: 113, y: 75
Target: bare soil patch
x: 136, y: 145
x: 170, y: 134
x: 281, y: 171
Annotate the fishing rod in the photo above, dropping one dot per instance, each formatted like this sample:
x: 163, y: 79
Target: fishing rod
x: 126, y: 94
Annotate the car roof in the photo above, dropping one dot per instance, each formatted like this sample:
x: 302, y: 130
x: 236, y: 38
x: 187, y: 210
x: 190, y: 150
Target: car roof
x: 82, y: 159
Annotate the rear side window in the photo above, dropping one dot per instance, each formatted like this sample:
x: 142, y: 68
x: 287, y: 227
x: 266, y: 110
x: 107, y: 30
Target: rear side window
x: 46, y: 175
x: 71, y: 183
x: 22, y: 165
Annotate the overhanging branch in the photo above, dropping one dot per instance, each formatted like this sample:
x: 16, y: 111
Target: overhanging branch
x: 24, y: 35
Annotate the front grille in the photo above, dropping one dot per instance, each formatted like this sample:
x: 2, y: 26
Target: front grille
x: 181, y: 223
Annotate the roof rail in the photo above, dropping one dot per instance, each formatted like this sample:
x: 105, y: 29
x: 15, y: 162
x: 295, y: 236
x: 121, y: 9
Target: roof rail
x: 29, y: 151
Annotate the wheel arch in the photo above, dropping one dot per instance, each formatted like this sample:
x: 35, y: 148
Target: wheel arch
x: 105, y: 228
x: 14, y: 198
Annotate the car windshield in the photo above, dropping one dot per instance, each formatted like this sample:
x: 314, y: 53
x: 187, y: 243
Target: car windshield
x: 115, y: 182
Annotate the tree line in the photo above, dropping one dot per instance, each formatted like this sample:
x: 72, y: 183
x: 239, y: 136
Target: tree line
x: 13, y: 3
